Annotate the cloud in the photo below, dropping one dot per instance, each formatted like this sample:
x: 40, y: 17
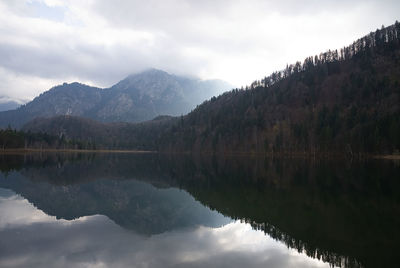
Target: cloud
x: 100, y: 42
x: 21, y: 87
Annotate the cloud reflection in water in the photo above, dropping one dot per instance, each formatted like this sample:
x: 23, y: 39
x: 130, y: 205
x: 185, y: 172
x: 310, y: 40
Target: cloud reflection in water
x: 30, y: 238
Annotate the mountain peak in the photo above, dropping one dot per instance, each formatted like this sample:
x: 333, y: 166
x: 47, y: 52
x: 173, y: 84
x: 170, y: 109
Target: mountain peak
x: 150, y: 71
x: 153, y: 71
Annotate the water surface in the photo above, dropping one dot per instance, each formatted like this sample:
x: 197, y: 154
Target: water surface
x: 127, y: 210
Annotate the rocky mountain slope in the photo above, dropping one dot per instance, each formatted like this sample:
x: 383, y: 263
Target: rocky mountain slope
x: 137, y: 98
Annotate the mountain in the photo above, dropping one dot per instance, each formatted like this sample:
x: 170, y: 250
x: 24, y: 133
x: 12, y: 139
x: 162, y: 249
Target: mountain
x: 66, y: 99
x: 339, y: 102
x: 8, y: 105
x: 146, y: 95
x: 137, y: 98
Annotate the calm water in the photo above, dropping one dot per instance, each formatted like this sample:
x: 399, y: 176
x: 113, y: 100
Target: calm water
x: 126, y: 210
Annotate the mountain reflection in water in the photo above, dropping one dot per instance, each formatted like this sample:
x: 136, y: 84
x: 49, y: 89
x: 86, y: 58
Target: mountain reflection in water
x: 161, y: 211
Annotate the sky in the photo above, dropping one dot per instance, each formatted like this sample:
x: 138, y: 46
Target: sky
x: 44, y: 43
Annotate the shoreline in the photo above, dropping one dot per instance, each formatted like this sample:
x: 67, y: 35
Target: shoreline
x: 24, y: 151
x: 388, y: 157
x: 292, y: 155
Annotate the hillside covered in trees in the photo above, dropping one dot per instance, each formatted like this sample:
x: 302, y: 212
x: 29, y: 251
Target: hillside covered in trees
x: 17, y: 139
x: 345, y: 100
x: 82, y: 133
x: 341, y: 101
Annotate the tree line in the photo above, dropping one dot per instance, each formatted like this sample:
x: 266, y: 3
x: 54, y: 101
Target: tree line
x: 18, y: 139
x: 385, y: 38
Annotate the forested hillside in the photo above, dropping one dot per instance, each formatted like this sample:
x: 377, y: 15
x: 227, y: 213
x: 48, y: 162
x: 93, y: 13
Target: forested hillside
x: 344, y: 100
x: 13, y: 139
x: 81, y: 133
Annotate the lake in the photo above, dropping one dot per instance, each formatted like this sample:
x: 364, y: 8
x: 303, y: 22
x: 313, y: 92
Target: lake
x: 155, y: 210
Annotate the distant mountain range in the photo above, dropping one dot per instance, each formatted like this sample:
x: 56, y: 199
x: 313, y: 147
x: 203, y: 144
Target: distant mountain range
x: 139, y: 97
x: 8, y: 104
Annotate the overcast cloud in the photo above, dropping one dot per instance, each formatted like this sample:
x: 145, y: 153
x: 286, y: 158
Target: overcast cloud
x: 47, y: 42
